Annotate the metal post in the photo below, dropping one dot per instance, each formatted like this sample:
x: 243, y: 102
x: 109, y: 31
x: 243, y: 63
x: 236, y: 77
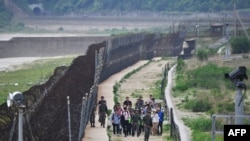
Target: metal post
x: 20, y: 122
x: 81, y: 128
x: 171, y: 122
x: 227, y: 46
x: 197, y: 36
x: 213, y: 127
x: 239, y: 107
x: 69, y: 119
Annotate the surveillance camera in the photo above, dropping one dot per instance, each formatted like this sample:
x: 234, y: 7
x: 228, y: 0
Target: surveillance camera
x: 237, y: 74
x: 16, y: 98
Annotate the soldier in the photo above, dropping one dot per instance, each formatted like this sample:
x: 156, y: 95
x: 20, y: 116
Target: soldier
x: 139, y: 103
x: 100, y: 102
x: 92, y: 117
x: 135, y: 121
x: 147, y: 120
x: 103, y: 110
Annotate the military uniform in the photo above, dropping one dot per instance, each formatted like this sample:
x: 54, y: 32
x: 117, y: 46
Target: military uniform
x: 135, y: 121
x: 147, y: 120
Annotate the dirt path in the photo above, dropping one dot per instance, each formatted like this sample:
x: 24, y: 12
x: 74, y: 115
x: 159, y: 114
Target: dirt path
x: 106, y: 89
x: 141, y: 81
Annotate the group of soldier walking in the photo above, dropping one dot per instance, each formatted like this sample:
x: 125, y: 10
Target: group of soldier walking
x: 144, y: 117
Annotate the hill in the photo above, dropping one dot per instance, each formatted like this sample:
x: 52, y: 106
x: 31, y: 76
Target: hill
x: 113, y: 7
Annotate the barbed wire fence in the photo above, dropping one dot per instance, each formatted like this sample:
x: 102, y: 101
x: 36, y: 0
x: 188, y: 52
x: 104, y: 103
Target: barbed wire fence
x: 89, y: 100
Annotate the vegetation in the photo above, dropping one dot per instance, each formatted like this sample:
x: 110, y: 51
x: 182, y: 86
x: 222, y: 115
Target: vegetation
x: 202, y: 88
x: 201, y: 127
x: 65, y: 6
x: 21, y: 79
x: 203, y: 53
x: 5, y: 15
x: 240, y: 44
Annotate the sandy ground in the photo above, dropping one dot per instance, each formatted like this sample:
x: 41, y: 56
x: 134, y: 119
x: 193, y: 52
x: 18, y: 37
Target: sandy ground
x: 10, y: 63
x: 9, y: 36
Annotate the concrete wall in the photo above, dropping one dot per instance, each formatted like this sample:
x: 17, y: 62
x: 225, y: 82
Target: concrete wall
x: 46, y: 46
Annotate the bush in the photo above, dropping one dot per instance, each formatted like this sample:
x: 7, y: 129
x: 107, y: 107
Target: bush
x: 198, y: 105
x: 240, y: 44
x: 180, y: 65
x: 210, y: 76
x: 202, y: 124
x: 202, y: 54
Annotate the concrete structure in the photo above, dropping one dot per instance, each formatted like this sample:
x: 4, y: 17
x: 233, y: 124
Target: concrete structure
x: 46, y: 46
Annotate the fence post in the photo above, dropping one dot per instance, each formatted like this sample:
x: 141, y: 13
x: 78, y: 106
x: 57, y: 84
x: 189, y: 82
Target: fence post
x: 213, y: 127
x: 81, y: 133
x: 87, y: 108
x: 171, y: 122
x: 68, y: 101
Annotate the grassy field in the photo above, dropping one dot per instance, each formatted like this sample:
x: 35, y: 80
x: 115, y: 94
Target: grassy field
x: 25, y: 76
x: 202, y: 90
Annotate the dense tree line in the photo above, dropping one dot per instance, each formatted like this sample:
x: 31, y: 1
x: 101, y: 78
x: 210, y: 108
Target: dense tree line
x: 60, y: 7
x: 5, y: 14
x: 65, y: 6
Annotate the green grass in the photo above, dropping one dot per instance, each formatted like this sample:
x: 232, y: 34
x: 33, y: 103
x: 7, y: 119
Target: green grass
x: 201, y: 129
x: 28, y: 75
x: 202, y: 88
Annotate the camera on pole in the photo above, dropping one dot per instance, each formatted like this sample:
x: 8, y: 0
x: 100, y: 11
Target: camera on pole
x: 17, y: 99
x: 237, y: 76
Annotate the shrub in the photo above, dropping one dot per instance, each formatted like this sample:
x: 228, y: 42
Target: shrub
x: 202, y: 124
x: 240, y: 44
x: 202, y: 54
x: 180, y: 65
x: 198, y: 105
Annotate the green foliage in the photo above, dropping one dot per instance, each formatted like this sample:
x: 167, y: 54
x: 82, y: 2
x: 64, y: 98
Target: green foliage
x: 205, y: 136
x: 115, y: 91
x: 116, y: 87
x: 199, y: 105
x: 240, y: 44
x: 180, y: 64
x: 5, y: 15
x: 202, y: 54
x: 208, y: 77
x: 65, y: 6
x: 201, y: 123
x: 109, y: 112
x: 157, y: 90
x: 180, y: 84
x: 22, y: 4
x: 201, y: 136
